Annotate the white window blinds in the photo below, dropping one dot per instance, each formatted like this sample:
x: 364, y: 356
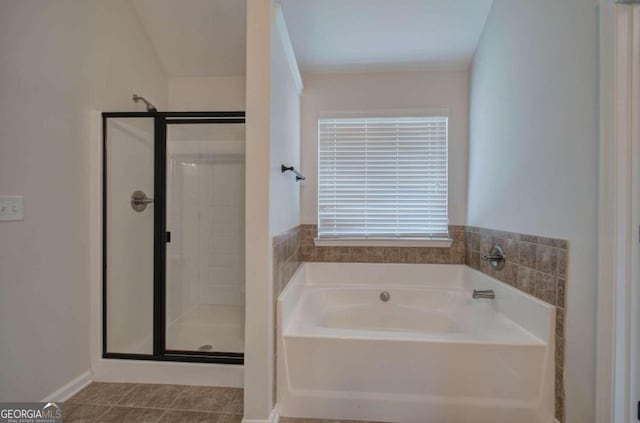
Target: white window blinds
x: 383, y: 177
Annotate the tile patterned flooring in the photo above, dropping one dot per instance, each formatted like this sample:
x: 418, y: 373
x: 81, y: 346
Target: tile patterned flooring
x: 142, y: 403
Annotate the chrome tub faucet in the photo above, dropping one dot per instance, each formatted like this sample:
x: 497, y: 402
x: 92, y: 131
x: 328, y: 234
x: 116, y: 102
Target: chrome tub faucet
x: 487, y: 293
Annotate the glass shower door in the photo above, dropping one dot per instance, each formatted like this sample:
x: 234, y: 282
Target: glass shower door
x: 173, y: 236
x: 128, y: 232
x: 205, y: 255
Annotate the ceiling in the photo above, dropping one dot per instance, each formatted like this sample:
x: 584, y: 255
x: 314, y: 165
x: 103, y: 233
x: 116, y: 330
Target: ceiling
x: 208, y: 37
x: 383, y: 35
x: 196, y: 37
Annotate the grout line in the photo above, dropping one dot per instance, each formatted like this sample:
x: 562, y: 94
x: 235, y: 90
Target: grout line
x: 103, y: 413
x: 127, y: 392
x: 179, y: 395
x: 161, y: 416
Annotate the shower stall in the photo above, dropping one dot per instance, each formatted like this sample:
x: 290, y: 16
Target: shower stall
x: 173, y: 236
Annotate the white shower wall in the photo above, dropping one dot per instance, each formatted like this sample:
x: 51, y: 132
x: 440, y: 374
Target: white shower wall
x: 206, y: 220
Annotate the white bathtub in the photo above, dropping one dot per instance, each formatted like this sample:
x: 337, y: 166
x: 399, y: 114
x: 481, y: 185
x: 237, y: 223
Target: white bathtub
x: 430, y: 354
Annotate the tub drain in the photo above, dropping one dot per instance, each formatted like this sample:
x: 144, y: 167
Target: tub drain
x: 205, y: 347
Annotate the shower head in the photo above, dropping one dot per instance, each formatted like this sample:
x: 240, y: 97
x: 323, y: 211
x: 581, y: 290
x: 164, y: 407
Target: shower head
x: 150, y: 107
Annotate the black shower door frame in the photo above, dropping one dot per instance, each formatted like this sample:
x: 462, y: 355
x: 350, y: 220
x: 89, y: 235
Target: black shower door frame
x: 160, y: 238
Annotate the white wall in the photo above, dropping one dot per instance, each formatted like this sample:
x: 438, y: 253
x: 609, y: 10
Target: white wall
x: 258, y: 358
x: 285, y: 135
x: 216, y: 93
x: 123, y: 60
x: 387, y: 91
x: 43, y: 132
x: 50, y: 81
x: 272, y: 200
x: 533, y: 158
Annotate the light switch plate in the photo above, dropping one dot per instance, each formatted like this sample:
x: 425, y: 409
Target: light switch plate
x: 11, y: 208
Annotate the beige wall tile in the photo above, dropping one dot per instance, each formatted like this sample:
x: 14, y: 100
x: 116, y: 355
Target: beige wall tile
x: 527, y: 254
x: 546, y: 287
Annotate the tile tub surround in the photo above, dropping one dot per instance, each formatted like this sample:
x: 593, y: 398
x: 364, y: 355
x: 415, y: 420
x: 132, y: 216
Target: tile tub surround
x: 286, y: 258
x: 455, y: 254
x: 128, y: 402
x: 534, y: 264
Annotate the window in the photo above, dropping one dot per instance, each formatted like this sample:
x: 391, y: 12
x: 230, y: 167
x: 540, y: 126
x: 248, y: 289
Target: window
x: 383, y: 178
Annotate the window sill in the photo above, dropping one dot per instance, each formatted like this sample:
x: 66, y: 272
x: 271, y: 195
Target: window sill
x: 383, y: 242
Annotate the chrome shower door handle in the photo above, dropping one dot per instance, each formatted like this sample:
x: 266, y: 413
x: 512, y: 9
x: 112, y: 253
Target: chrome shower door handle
x: 139, y: 201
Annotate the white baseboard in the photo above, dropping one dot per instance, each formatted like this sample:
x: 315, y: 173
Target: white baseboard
x: 274, y: 417
x: 70, y: 389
